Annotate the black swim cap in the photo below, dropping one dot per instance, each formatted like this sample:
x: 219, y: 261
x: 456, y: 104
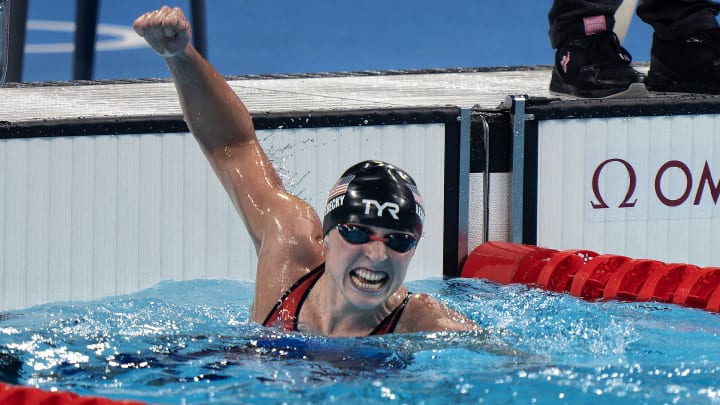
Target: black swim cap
x: 378, y: 194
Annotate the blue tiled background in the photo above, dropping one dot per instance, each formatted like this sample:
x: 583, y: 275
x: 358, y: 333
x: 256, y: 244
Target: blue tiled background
x: 283, y: 36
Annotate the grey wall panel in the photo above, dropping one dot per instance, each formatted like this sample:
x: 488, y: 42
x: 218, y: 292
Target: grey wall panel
x: 92, y: 216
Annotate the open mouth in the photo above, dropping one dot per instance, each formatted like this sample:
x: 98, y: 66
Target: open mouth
x: 367, y: 280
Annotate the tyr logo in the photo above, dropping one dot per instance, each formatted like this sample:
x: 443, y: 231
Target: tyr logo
x: 392, y: 208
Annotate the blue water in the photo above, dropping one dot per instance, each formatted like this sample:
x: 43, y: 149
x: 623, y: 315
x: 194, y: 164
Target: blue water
x: 191, y: 342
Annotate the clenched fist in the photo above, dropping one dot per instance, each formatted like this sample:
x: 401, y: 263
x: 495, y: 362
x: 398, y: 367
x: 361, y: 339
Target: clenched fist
x: 166, y: 30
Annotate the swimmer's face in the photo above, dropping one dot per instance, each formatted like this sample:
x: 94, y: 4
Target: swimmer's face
x: 367, y: 273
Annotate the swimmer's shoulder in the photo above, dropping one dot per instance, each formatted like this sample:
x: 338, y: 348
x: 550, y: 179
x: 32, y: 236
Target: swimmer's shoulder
x: 426, y: 314
x: 278, y: 271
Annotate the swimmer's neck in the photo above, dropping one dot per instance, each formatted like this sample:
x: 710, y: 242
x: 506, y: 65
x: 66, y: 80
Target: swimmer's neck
x: 328, y: 312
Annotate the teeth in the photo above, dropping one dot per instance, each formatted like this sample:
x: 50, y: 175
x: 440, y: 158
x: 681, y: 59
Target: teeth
x: 370, y: 275
x: 368, y: 280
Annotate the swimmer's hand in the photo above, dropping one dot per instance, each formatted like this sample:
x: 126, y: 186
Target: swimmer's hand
x: 167, y: 31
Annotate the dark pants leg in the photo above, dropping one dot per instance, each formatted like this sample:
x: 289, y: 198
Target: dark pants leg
x: 686, y: 45
x: 566, y: 17
x: 675, y: 19
x: 671, y: 19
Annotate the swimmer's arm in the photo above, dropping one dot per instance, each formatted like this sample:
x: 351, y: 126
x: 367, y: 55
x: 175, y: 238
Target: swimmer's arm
x: 223, y: 127
x: 214, y: 113
x: 426, y: 314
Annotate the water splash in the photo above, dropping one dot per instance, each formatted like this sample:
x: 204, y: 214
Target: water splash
x: 192, y: 342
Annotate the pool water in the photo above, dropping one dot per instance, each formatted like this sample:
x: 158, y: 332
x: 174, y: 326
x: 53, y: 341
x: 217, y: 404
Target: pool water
x: 191, y: 342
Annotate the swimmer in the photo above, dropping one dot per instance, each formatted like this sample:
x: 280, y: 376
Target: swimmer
x: 343, y: 276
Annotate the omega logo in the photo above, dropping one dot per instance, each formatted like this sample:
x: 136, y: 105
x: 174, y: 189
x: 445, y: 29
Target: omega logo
x: 673, y: 165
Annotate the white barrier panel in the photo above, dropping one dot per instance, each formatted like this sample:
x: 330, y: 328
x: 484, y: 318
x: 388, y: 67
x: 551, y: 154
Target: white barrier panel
x: 645, y: 187
x: 91, y: 216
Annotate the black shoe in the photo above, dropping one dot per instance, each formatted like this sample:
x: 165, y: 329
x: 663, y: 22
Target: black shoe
x: 688, y: 65
x: 593, y: 66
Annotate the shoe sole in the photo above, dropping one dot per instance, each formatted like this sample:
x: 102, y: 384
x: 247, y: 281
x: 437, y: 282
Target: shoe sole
x: 558, y: 85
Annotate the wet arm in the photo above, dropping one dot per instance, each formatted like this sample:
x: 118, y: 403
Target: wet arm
x: 429, y: 315
x: 219, y: 121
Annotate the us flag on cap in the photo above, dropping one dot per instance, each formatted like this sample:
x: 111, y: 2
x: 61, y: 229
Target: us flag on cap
x: 416, y: 194
x: 340, y: 187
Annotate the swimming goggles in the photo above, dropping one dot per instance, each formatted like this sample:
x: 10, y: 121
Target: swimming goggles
x: 357, y: 235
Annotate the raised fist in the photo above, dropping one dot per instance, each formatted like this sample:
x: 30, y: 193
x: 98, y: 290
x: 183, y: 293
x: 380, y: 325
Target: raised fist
x: 166, y: 30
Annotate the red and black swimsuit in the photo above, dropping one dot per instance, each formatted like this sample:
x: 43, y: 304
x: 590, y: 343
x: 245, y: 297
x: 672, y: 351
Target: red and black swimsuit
x: 286, y: 312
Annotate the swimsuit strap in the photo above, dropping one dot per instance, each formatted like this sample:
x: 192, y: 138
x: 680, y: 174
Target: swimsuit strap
x: 286, y: 311
x: 390, y: 322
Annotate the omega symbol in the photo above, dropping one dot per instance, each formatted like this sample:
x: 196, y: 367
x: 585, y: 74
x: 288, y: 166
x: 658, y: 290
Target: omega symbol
x: 631, y: 186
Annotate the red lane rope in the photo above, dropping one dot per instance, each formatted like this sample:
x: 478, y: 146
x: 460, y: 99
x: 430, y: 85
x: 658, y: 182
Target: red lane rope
x: 15, y: 394
x: 585, y: 274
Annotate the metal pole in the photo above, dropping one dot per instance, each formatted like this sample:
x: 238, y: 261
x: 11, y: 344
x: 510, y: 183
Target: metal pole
x: 197, y: 12
x: 4, y: 31
x: 86, y: 17
x: 486, y: 180
x: 464, y: 184
x: 16, y: 47
x: 518, y: 118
